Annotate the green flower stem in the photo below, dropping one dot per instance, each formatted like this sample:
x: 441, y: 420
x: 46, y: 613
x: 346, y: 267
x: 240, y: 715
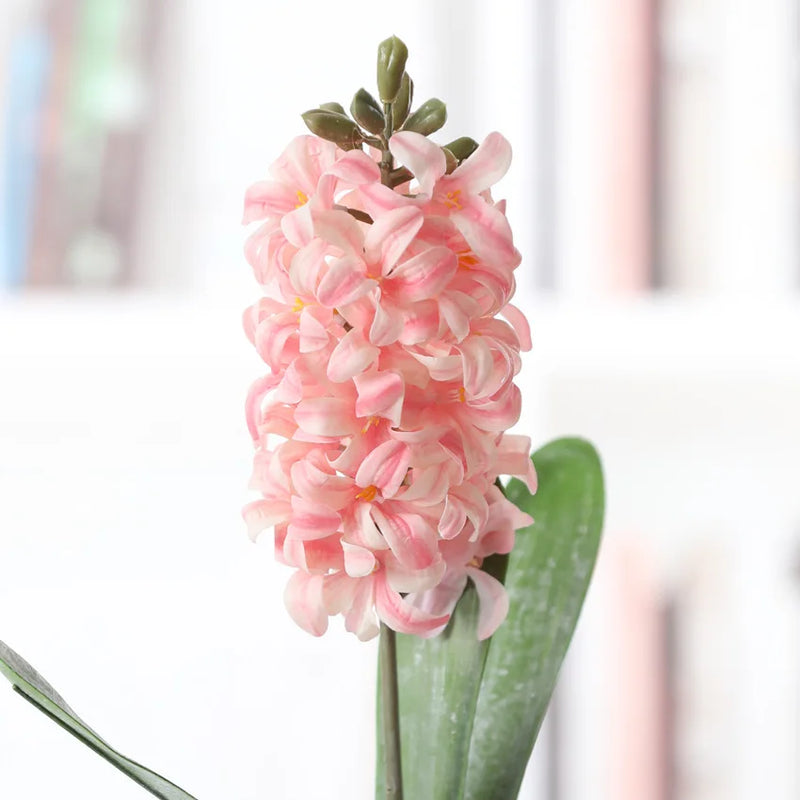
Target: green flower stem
x: 387, y: 649
x: 387, y: 162
x: 387, y: 657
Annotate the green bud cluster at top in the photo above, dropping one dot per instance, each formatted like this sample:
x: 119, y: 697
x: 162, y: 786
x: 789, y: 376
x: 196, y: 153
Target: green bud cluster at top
x: 373, y: 122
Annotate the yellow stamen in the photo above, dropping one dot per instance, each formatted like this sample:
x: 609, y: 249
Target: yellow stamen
x: 302, y: 199
x: 462, y: 395
x: 371, y: 421
x: 467, y: 259
x: 476, y: 562
x: 452, y: 200
x: 299, y: 305
x: 367, y: 494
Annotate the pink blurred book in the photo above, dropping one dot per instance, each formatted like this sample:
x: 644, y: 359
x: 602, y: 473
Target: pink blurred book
x: 627, y: 136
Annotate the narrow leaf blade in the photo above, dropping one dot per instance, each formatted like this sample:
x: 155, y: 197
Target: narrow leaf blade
x: 438, y: 683
x: 34, y: 688
x: 548, y: 575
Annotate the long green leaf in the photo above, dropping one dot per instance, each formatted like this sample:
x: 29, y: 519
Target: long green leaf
x: 548, y: 575
x: 438, y: 683
x: 34, y: 688
x: 470, y: 710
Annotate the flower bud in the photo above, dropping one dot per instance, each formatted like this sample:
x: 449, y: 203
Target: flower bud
x: 337, y: 107
x: 402, y: 103
x: 451, y: 162
x: 462, y: 147
x: 428, y: 118
x: 367, y: 112
x: 333, y: 126
x: 392, y: 56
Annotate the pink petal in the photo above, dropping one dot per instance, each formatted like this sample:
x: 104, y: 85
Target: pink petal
x: 420, y: 322
x: 358, y: 561
x: 387, y: 325
x: 340, y: 229
x: 380, y: 394
x: 360, y: 619
x: 311, y: 483
x: 453, y: 518
x: 317, y: 555
x: 477, y: 363
x: 338, y: 592
x: 486, y: 166
x: 520, y: 325
x: 498, y: 415
x: 441, y: 599
x: 378, y: 199
x: 409, y: 536
x: 474, y: 503
x: 425, y: 275
x: 513, y: 458
x: 493, y: 600
x: 312, y: 520
x: 355, y: 167
x: 258, y: 391
x: 385, y: 467
x: 344, y: 282
x: 262, y: 514
x: 351, y: 357
x: 290, y: 389
x: 359, y: 447
x: 400, y: 615
x: 424, y: 158
x: 457, y: 309
x: 390, y: 235
x: 298, y: 227
x: 327, y: 416
x: 303, y: 599
x: 267, y: 198
x: 487, y: 232
x: 363, y: 530
x: 305, y: 267
x: 313, y: 329
x: 428, y: 485
x: 303, y: 161
x: 405, y: 580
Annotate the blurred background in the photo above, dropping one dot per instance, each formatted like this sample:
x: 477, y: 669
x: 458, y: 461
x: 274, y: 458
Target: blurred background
x: 654, y: 195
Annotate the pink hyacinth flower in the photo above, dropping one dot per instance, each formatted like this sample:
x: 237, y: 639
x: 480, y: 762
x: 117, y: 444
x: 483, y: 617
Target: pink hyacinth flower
x: 380, y: 427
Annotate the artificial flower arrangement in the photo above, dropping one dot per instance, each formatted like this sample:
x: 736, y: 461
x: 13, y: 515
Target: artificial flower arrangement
x: 387, y: 271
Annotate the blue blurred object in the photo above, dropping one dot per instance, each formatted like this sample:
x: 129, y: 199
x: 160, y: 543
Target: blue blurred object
x: 29, y: 62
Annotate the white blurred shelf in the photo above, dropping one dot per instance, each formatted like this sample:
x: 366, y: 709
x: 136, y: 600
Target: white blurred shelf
x: 651, y: 332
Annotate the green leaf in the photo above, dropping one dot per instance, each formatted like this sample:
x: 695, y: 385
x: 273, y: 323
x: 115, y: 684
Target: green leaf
x: 438, y: 683
x: 548, y: 575
x: 34, y: 688
x: 470, y: 711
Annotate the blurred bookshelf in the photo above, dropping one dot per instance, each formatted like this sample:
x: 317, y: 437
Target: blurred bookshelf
x: 77, y: 106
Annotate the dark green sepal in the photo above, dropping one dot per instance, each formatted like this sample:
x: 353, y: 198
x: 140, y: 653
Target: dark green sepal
x: 428, y: 118
x: 402, y: 103
x: 336, y: 107
x: 334, y: 127
x: 392, y: 56
x: 462, y: 148
x: 367, y: 112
